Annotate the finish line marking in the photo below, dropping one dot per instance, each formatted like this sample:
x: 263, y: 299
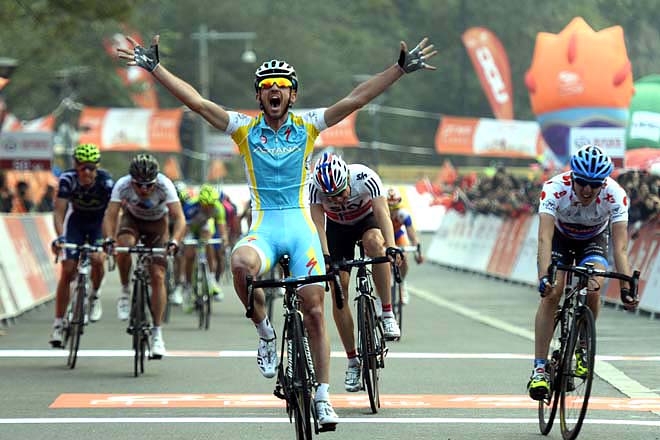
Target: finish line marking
x: 418, y: 401
x: 363, y: 420
x: 21, y: 353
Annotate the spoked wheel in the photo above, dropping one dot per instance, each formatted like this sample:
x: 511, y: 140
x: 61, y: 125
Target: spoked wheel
x: 76, y: 325
x: 368, y: 355
x: 203, y: 299
x: 578, y: 374
x: 548, y: 406
x: 302, y: 397
x: 169, y: 287
x: 137, y: 320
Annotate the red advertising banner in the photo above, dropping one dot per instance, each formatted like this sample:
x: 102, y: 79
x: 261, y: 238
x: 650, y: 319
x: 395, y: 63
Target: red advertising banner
x: 121, y: 129
x: 138, y: 80
x: 492, y: 66
x: 510, y: 238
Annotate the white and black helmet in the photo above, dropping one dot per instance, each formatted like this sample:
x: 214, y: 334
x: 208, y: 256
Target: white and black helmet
x: 275, y: 69
x: 330, y: 174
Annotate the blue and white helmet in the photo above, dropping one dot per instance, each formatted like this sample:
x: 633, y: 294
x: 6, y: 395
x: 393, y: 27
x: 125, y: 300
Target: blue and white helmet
x: 592, y: 163
x: 330, y: 174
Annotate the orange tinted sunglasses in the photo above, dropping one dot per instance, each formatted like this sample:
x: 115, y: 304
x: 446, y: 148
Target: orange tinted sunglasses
x: 270, y: 82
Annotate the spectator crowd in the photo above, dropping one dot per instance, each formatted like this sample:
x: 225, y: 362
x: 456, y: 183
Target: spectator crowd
x: 18, y: 199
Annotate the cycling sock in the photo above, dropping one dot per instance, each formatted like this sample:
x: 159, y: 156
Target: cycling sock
x: 96, y: 293
x: 539, y: 363
x: 265, y: 330
x: 322, y: 392
x: 58, y: 322
x: 125, y: 290
x: 387, y: 309
x: 353, y: 361
x: 155, y: 331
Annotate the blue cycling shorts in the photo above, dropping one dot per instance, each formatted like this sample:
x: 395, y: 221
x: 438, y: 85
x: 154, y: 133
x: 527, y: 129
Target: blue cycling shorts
x: 78, y: 228
x: 287, y: 231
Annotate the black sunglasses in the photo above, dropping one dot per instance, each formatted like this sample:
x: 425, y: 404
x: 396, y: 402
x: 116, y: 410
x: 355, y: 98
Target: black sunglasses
x: 143, y: 185
x: 583, y: 182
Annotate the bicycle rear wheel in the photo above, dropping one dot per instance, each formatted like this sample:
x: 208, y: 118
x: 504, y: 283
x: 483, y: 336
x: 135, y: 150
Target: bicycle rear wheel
x: 169, y: 288
x: 548, y: 406
x: 577, y: 376
x: 368, y: 353
x: 302, y: 393
x: 76, y: 324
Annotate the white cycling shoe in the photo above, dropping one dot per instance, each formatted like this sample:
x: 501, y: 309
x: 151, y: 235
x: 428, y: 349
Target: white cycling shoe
x: 267, y: 357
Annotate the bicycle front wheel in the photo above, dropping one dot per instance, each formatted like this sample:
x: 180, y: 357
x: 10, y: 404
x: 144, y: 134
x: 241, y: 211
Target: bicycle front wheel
x: 368, y: 351
x: 397, y: 304
x: 302, y: 392
x: 138, y: 318
x: 548, y: 406
x: 203, y: 297
x: 577, y: 374
x: 169, y: 288
x: 76, y: 324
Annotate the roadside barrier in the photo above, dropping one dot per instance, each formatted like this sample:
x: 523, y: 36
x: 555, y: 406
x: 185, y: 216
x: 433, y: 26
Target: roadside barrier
x: 27, y: 271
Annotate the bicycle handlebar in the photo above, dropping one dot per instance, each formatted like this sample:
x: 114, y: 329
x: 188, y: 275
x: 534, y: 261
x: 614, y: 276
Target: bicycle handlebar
x: 140, y: 250
x: 86, y: 246
x: 293, y: 282
x: 589, y: 271
x: 195, y: 242
x: 391, y: 252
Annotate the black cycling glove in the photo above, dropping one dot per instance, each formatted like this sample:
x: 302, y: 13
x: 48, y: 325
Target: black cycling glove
x: 147, y: 58
x: 412, y: 60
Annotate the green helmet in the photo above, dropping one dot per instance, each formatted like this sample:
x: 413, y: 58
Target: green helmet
x: 207, y: 195
x: 87, y: 153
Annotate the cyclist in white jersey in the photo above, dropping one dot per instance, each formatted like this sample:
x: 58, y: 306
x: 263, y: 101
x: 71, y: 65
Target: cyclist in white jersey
x: 574, y: 214
x: 276, y: 147
x: 353, y: 200
x: 147, y: 200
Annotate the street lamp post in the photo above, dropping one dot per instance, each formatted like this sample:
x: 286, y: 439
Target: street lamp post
x: 373, y: 109
x: 248, y: 57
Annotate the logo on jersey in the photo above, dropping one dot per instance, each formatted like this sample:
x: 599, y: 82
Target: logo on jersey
x: 610, y: 198
x: 287, y: 133
x: 263, y: 139
x: 361, y: 176
x: 276, y: 150
x: 559, y: 195
x: 311, y: 264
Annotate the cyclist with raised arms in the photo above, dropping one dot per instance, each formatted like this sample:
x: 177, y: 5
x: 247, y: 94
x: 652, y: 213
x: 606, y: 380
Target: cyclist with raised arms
x: 276, y: 147
x: 204, y: 214
x: 577, y: 210
x: 403, y: 230
x: 148, y: 200
x: 82, y: 196
x: 348, y: 204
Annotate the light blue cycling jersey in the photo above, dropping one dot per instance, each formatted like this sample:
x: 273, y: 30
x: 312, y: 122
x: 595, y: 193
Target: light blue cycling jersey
x: 277, y: 169
x: 277, y: 164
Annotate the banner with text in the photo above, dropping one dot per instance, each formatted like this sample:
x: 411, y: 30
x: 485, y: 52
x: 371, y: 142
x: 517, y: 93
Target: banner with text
x: 124, y: 129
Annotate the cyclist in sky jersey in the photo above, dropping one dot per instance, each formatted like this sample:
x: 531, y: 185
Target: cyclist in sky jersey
x: 577, y: 210
x: 276, y: 147
x: 82, y: 196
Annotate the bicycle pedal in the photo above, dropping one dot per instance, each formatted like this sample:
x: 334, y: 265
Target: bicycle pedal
x: 278, y: 393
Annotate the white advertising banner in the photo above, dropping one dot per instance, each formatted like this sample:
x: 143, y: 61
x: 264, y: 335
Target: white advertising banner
x: 612, y: 140
x: 645, y: 125
x: 22, y: 150
x: 524, y: 270
x: 651, y: 297
x: 501, y: 136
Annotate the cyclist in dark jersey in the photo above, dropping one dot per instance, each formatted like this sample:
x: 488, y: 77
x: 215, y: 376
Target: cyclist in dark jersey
x: 82, y: 197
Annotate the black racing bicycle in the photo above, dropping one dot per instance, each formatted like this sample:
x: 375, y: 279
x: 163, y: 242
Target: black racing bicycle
x: 139, y: 324
x: 371, y: 341
x: 78, y: 309
x: 397, y: 287
x: 296, y: 380
x: 201, y: 291
x: 573, y: 349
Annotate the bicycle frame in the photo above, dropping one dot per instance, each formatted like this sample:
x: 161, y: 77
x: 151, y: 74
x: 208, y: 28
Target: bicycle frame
x: 75, y: 315
x: 296, y: 380
x: 201, y: 281
x: 139, y: 324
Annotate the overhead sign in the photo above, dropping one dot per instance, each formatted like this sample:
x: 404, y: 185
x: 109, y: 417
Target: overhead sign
x: 26, y: 150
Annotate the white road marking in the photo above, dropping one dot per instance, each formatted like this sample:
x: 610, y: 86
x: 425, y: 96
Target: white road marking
x: 606, y: 371
x: 38, y: 353
x: 392, y: 420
